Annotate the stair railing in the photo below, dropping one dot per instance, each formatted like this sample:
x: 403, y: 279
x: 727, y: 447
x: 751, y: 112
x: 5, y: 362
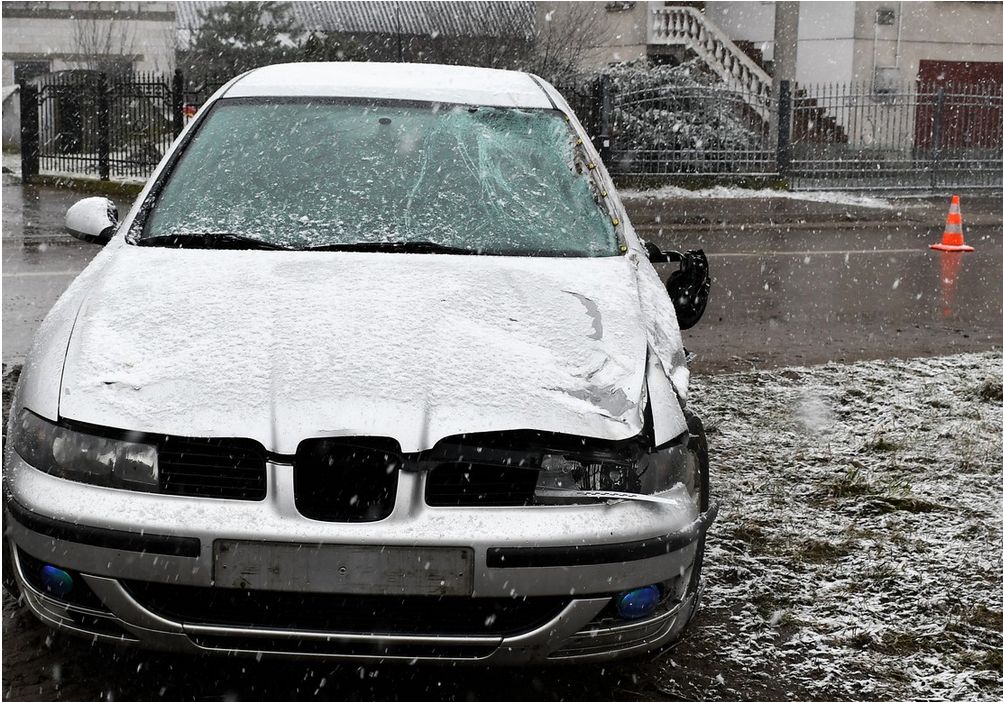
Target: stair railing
x: 688, y: 27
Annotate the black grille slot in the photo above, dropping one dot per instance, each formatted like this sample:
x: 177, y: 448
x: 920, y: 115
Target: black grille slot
x: 347, y: 614
x: 227, y: 468
x: 461, y: 483
x: 338, y: 480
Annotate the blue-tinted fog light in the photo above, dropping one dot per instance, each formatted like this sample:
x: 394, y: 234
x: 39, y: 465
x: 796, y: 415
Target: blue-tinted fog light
x: 639, y: 603
x: 56, y: 581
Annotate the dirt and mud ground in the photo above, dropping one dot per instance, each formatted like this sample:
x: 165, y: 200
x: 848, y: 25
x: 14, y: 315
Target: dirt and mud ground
x: 857, y: 557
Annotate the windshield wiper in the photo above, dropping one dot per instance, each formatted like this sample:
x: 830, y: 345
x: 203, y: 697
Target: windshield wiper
x: 396, y: 247
x: 208, y: 240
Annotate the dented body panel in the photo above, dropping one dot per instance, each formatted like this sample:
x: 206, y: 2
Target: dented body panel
x: 283, y: 346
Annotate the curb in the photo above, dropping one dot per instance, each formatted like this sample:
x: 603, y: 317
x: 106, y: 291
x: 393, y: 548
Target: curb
x: 831, y: 225
x: 86, y: 185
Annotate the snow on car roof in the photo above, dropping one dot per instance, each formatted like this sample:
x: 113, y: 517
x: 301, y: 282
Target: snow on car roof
x: 399, y: 81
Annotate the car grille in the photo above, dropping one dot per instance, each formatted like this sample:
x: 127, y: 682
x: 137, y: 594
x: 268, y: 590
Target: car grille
x: 460, y: 483
x: 347, y: 614
x: 226, y: 468
x: 346, y: 480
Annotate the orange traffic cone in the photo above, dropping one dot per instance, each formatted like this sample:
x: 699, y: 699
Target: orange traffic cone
x: 954, y: 237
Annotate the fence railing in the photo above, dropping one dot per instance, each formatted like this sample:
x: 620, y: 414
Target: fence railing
x: 832, y: 136
x: 678, y: 131
x: 828, y: 136
x: 918, y: 137
x: 86, y: 123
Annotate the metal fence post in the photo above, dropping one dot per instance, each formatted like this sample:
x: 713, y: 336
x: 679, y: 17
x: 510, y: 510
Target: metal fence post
x: 938, y: 130
x: 605, y: 116
x: 29, y: 132
x: 178, y: 101
x: 104, y: 128
x: 784, y: 112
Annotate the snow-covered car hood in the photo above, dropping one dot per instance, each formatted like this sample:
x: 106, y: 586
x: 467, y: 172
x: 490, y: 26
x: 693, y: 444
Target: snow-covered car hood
x: 282, y: 346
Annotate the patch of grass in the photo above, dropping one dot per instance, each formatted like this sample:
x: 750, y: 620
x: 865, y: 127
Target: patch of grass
x: 993, y: 661
x: 980, y: 616
x: 750, y: 532
x: 853, y: 483
x: 990, y: 390
x: 882, y: 445
x: 861, y: 640
x: 756, y: 537
x: 816, y: 551
x: 884, y: 504
x: 882, y: 573
x: 773, y: 608
x: 907, y: 643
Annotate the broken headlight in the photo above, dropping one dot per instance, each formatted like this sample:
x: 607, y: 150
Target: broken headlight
x: 571, y: 479
x: 84, y: 457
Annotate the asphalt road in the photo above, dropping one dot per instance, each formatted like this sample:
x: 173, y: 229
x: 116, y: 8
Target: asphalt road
x: 794, y: 282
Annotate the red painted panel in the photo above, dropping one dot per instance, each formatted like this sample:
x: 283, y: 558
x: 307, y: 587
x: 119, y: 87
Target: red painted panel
x: 969, y: 119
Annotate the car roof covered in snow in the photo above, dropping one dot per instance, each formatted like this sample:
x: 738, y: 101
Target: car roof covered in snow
x: 397, y: 81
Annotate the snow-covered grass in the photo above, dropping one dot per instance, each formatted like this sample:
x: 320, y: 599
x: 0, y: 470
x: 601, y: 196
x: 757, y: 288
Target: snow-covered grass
x: 859, y: 550
x: 722, y: 192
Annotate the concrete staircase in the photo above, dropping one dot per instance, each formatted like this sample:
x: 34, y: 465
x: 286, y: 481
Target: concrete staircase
x: 689, y: 28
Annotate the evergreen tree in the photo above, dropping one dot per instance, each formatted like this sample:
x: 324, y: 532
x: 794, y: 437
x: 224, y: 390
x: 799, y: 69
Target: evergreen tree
x: 234, y: 37
x: 329, y: 47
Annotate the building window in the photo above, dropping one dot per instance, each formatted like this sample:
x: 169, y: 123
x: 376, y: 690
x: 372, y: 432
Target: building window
x: 26, y: 70
x: 886, y: 16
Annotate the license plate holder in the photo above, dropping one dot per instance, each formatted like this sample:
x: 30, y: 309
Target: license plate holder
x: 342, y: 568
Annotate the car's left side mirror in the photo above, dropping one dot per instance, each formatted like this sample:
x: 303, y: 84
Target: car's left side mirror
x: 688, y: 287
x: 93, y: 219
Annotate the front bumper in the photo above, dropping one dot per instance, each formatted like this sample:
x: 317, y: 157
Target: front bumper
x: 581, y: 553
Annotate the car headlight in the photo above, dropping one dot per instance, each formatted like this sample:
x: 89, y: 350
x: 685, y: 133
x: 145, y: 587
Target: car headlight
x: 569, y: 479
x: 88, y: 458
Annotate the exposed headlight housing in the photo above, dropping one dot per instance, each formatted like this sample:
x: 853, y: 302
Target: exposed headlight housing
x: 88, y: 458
x: 564, y: 477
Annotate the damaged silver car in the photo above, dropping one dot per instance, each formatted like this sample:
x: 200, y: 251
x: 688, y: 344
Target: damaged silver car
x: 374, y: 368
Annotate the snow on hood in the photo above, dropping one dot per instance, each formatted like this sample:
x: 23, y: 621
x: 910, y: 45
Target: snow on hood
x: 282, y: 346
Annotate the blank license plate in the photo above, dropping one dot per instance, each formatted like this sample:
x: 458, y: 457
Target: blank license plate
x: 355, y: 570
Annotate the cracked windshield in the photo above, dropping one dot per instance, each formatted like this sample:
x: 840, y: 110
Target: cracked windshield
x: 310, y: 175
x: 479, y: 350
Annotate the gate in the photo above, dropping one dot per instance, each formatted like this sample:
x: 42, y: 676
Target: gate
x: 68, y: 114
x: 141, y: 124
x: 87, y: 123
x: 671, y: 130
x: 923, y: 137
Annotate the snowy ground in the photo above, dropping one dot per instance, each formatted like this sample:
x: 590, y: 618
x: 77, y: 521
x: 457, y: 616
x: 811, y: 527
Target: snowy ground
x: 860, y: 544
x: 724, y: 192
x: 857, y: 557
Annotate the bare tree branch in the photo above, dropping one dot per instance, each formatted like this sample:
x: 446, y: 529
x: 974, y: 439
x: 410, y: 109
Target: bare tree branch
x: 102, y: 44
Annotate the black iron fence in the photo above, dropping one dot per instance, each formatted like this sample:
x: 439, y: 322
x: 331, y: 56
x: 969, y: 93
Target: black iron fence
x: 680, y: 131
x: 917, y: 137
x: 811, y: 136
x: 825, y: 136
x: 111, y: 127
